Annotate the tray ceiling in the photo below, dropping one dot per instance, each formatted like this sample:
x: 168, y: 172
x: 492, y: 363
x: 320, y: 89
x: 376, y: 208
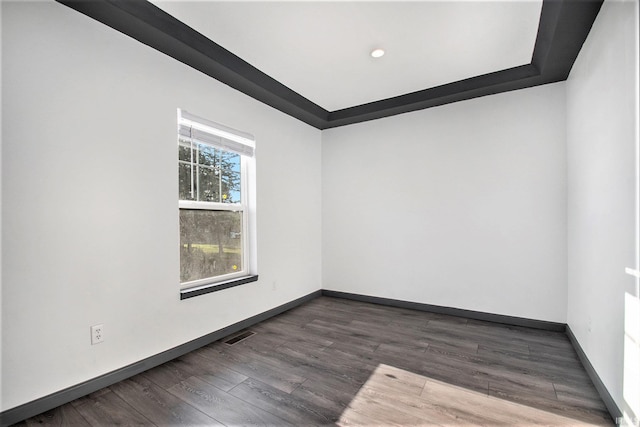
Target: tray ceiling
x: 311, y: 59
x: 321, y: 50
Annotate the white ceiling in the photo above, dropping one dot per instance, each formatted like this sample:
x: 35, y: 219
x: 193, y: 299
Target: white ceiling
x: 321, y: 49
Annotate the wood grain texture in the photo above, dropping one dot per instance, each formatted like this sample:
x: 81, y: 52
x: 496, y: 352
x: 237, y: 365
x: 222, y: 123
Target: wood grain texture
x: 287, y: 406
x: 107, y: 408
x: 65, y: 415
x: 341, y: 362
x: 158, y: 405
x: 222, y: 406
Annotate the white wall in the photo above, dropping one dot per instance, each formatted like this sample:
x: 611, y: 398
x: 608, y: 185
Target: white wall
x: 602, y: 189
x: 461, y: 205
x: 89, y: 201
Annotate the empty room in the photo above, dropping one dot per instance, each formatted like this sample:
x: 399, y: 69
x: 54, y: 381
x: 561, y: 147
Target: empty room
x: 320, y: 213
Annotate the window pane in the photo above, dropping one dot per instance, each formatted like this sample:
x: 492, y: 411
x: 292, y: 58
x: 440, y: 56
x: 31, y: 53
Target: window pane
x: 208, y: 184
x: 184, y: 151
x: 230, y: 187
x: 207, y: 155
x: 230, y: 161
x: 184, y: 181
x: 210, y: 243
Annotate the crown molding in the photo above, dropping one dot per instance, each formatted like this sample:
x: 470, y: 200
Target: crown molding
x: 563, y: 28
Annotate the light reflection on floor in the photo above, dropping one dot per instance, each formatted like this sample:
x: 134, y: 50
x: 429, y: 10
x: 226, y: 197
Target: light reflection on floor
x: 393, y: 396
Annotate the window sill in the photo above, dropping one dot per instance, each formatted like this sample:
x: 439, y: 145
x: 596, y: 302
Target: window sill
x: 215, y: 287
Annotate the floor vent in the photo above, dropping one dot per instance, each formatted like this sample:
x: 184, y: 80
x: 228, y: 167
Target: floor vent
x: 237, y: 338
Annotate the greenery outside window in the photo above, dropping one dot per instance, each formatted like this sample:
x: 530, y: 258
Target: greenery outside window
x: 213, y: 169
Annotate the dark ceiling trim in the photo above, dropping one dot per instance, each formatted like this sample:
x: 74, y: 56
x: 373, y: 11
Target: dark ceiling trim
x: 487, y: 84
x: 564, y: 26
x: 152, y: 26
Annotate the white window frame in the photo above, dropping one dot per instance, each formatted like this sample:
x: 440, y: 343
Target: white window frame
x: 244, y: 145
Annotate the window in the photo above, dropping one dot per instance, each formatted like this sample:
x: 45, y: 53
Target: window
x: 214, y: 167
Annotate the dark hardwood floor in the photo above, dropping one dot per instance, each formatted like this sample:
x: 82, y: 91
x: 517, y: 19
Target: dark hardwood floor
x: 339, y: 362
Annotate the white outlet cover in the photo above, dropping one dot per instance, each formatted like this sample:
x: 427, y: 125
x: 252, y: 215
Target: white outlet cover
x: 97, y: 334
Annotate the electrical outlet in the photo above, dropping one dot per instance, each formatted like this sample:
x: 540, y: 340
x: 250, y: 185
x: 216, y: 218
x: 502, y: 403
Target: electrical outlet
x: 97, y: 334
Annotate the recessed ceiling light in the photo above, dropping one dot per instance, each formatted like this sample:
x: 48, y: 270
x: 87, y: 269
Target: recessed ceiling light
x: 377, y: 53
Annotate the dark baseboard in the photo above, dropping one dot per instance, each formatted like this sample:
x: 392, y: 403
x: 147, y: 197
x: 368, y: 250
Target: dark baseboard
x: 469, y: 314
x: 54, y: 400
x: 61, y: 397
x: 613, y: 409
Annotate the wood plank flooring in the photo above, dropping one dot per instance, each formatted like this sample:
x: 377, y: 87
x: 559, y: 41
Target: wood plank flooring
x: 338, y: 362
